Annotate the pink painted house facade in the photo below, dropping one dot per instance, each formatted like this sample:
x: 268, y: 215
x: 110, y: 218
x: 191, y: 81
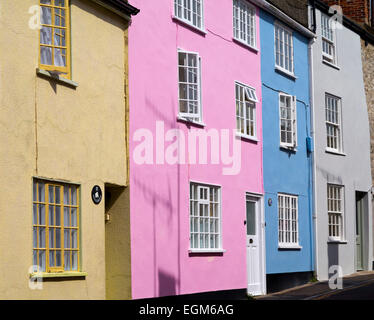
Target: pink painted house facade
x: 193, y: 223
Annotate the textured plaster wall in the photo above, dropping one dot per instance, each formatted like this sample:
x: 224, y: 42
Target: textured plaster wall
x: 161, y: 263
x: 58, y: 132
x: 352, y: 169
x: 285, y: 171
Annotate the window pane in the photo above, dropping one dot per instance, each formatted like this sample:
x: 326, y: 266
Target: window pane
x: 58, y: 238
x: 74, y: 235
x: 41, y: 214
x: 251, y: 218
x: 35, y: 237
x: 34, y: 214
x: 74, y: 217
x: 66, y: 195
x: 42, y: 262
x: 57, y: 195
x: 51, y: 258
x: 67, y: 260
x: 66, y: 217
x: 41, y: 192
x: 46, y: 15
x: 58, y: 258
x: 74, y: 261
x: 51, y: 220
x: 58, y: 216
x: 67, y: 238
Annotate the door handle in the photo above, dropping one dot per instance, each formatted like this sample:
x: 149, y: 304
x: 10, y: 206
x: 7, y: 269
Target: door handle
x: 245, y: 222
x: 250, y: 241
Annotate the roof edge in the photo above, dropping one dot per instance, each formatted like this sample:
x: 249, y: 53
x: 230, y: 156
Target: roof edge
x: 121, y: 8
x: 283, y: 17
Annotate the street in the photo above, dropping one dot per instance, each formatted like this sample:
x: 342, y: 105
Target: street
x: 359, y: 286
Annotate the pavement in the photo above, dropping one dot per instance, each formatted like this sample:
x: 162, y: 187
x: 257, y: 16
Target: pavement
x: 358, y: 286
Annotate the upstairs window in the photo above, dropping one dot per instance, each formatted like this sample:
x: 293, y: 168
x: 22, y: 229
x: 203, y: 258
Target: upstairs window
x: 288, y: 120
x: 284, y: 49
x: 189, y: 86
x: 328, y: 40
x: 190, y: 11
x: 333, y: 123
x: 246, y: 100
x: 244, y: 23
x: 54, y: 40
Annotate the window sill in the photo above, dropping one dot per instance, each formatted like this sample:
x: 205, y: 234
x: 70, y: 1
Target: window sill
x: 330, y: 64
x: 285, y: 73
x: 240, y: 42
x: 206, y: 251
x: 245, y: 137
x: 288, y: 148
x: 293, y: 247
x: 338, y: 153
x: 57, y: 78
x: 336, y: 241
x: 189, y: 25
x: 194, y: 123
x: 58, y: 274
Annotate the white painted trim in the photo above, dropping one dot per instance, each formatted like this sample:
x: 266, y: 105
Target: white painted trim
x: 245, y: 44
x: 279, y: 25
x: 251, y: 6
x: 201, y: 184
x: 189, y: 23
x: 289, y: 247
x: 286, y: 72
x: 261, y: 208
x: 206, y: 251
x: 200, y: 104
x: 246, y: 137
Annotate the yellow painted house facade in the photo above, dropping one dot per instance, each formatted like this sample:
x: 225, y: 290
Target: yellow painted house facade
x: 63, y: 131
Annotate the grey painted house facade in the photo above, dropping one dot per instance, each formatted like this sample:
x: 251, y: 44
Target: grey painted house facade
x: 343, y: 207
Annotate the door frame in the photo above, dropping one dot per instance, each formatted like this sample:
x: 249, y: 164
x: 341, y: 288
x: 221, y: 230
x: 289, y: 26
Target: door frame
x: 362, y: 196
x: 261, y: 235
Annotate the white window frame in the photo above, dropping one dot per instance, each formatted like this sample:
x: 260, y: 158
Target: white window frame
x: 278, y: 47
x: 244, y: 23
x: 335, y: 213
x: 334, y: 122
x: 196, y: 217
x: 293, y: 119
x: 186, y: 13
x: 288, y: 236
x: 187, y: 116
x: 328, y: 37
x: 250, y: 98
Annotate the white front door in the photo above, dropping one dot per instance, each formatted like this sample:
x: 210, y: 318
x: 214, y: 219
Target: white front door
x: 255, y: 267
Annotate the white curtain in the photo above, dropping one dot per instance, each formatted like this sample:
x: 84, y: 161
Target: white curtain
x: 46, y: 38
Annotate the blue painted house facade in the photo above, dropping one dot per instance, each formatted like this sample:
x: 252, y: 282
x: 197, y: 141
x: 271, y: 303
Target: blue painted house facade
x: 288, y: 166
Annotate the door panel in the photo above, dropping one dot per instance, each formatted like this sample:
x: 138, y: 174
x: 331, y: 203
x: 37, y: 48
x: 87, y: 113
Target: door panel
x: 359, y: 232
x: 254, y: 265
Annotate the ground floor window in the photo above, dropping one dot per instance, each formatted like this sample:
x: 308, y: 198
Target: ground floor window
x: 205, y: 217
x: 288, y: 234
x: 335, y: 209
x: 56, y: 212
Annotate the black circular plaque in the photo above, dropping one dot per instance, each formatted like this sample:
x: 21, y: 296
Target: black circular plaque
x: 96, y: 194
